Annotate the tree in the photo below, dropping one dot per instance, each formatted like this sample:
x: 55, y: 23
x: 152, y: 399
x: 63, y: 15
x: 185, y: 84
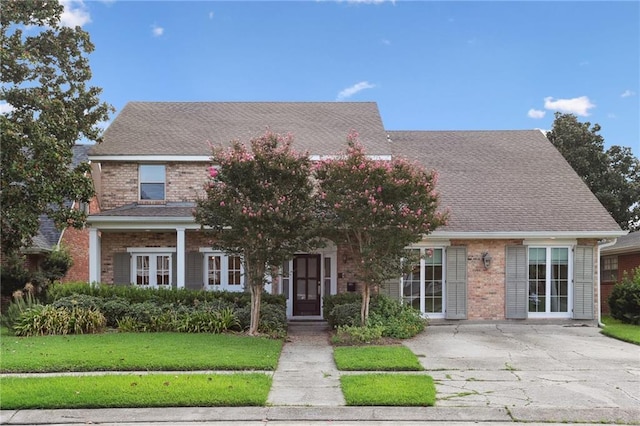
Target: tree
x: 375, y: 209
x: 612, y: 175
x: 260, y: 205
x: 47, y: 107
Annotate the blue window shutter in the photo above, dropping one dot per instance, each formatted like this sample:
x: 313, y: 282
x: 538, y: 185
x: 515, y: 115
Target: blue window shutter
x: 456, y: 283
x: 122, y: 268
x: 583, y: 282
x: 516, y: 282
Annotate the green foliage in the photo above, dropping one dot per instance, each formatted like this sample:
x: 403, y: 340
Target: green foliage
x: 357, y: 335
x: 114, y: 309
x: 375, y: 209
x: 47, y: 320
x: 56, y: 264
x: 347, y: 314
x: 19, y: 304
x: 331, y: 301
x: 44, y: 76
x: 612, y: 175
x: 13, y: 274
x: 624, y: 300
x: 265, y: 192
x: 273, y: 319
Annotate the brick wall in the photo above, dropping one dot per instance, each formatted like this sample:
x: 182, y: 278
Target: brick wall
x: 119, y: 183
x: 626, y: 262
x: 77, y: 242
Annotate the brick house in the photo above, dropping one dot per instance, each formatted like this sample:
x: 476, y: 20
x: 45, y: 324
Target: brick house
x: 616, y: 260
x: 521, y: 241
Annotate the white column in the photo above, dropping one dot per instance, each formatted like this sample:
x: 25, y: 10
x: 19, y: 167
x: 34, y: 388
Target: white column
x: 180, y: 253
x: 94, y: 256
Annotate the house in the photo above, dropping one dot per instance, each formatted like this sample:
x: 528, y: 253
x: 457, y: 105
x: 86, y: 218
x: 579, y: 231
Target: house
x: 49, y: 237
x: 522, y: 240
x: 616, y: 260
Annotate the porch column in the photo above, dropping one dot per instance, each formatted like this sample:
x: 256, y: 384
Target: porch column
x: 180, y: 253
x: 94, y: 256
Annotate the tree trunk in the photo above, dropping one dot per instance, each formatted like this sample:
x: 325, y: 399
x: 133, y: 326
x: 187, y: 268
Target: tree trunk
x: 256, y: 299
x: 364, y: 311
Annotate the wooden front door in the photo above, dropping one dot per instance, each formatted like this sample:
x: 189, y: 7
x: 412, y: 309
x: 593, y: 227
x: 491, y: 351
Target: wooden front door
x: 306, y: 285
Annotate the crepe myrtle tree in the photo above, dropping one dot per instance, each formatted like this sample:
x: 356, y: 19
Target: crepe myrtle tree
x: 260, y: 205
x: 375, y: 209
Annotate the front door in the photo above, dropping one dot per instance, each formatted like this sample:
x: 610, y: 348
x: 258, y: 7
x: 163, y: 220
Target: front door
x: 306, y: 285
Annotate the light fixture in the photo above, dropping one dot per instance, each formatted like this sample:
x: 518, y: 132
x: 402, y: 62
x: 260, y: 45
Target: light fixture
x: 486, y: 259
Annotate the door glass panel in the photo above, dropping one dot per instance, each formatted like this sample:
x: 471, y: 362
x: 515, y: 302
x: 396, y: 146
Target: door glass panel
x: 433, y: 281
x: 559, y: 280
x: 163, y: 270
x: 301, y: 266
x: 301, y: 289
x: 285, y: 278
x: 312, y: 289
x: 234, y: 270
x: 215, y: 271
x: 327, y: 276
x: 313, y: 268
x: 537, y: 279
x: 142, y: 270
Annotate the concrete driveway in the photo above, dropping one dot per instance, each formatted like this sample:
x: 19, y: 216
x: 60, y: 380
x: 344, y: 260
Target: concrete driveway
x: 524, y: 366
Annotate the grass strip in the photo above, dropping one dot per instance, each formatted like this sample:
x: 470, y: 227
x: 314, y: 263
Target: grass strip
x: 376, y: 358
x: 137, y: 351
x: 415, y: 390
x: 119, y: 391
x: 618, y: 330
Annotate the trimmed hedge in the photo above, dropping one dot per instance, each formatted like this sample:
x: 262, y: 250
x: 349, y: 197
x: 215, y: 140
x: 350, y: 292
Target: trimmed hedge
x: 624, y: 300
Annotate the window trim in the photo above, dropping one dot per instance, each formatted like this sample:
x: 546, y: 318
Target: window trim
x: 140, y: 183
x: 153, y: 253
x: 423, y: 280
x: 606, y: 273
x: 224, y: 272
x: 570, y: 281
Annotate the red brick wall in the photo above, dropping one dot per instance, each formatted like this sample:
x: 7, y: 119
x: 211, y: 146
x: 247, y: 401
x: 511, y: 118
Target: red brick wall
x: 119, y: 183
x: 626, y: 263
x: 77, y: 242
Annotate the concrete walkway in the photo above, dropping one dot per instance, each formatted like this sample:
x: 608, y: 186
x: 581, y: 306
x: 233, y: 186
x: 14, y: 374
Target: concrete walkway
x: 306, y: 373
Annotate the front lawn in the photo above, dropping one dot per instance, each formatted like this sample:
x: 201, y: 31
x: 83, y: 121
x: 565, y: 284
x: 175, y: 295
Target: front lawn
x: 376, y: 358
x: 137, y: 351
x: 399, y: 390
x: 619, y: 330
x: 116, y: 391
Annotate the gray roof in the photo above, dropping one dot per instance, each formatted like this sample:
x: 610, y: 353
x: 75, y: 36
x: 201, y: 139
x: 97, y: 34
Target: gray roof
x: 186, y: 128
x: 626, y: 244
x: 504, y: 181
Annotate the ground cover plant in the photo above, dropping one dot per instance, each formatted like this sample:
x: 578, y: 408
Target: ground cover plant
x: 388, y: 389
x: 154, y: 390
x: 621, y: 331
x: 138, y: 351
x: 376, y: 358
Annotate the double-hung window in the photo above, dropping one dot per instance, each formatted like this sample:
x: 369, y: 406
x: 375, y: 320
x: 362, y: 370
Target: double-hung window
x: 223, y: 272
x: 152, y: 181
x: 609, y: 267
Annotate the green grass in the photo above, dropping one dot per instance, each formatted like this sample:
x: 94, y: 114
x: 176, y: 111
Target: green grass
x: 375, y: 358
x: 621, y: 331
x: 137, y: 351
x: 389, y: 389
x: 116, y: 391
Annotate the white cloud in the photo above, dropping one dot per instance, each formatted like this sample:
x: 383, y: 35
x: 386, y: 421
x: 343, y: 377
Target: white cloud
x: 611, y: 115
x: 75, y: 13
x: 370, y: 1
x: 536, y: 113
x: 156, y: 30
x: 5, y: 108
x: 210, y: 15
x: 579, y: 106
x: 386, y: 42
x: 350, y: 91
x: 627, y: 93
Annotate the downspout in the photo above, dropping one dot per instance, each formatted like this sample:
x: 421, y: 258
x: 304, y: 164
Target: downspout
x: 601, y: 246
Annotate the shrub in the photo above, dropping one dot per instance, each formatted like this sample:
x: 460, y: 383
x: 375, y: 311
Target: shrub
x: 347, y: 314
x: 330, y: 302
x: 624, y: 301
x: 57, y: 263
x: 273, y: 319
x: 115, y: 309
x: 20, y: 303
x: 45, y: 320
x: 79, y: 300
x: 398, y: 320
x: 354, y: 335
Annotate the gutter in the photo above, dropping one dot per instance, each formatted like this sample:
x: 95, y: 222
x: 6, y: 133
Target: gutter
x: 601, y: 246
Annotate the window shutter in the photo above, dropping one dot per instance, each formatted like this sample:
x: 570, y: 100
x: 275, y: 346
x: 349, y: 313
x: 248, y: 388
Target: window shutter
x: 174, y: 270
x: 583, y: 283
x: 121, y: 268
x: 193, y: 263
x: 456, y: 283
x: 517, y: 289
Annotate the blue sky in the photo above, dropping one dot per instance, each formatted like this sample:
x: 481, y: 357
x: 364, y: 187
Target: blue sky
x: 429, y: 65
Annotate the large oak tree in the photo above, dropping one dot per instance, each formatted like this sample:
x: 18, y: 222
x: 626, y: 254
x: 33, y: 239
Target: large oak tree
x: 47, y: 106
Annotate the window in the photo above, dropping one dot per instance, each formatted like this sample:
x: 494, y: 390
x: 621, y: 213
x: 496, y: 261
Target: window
x: 422, y: 286
x: 223, y: 272
x: 151, y: 269
x: 609, y: 269
x: 549, y: 271
x: 152, y: 181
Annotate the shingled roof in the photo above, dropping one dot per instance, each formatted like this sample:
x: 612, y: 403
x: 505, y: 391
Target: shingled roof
x: 629, y: 243
x: 186, y: 128
x: 504, y: 181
